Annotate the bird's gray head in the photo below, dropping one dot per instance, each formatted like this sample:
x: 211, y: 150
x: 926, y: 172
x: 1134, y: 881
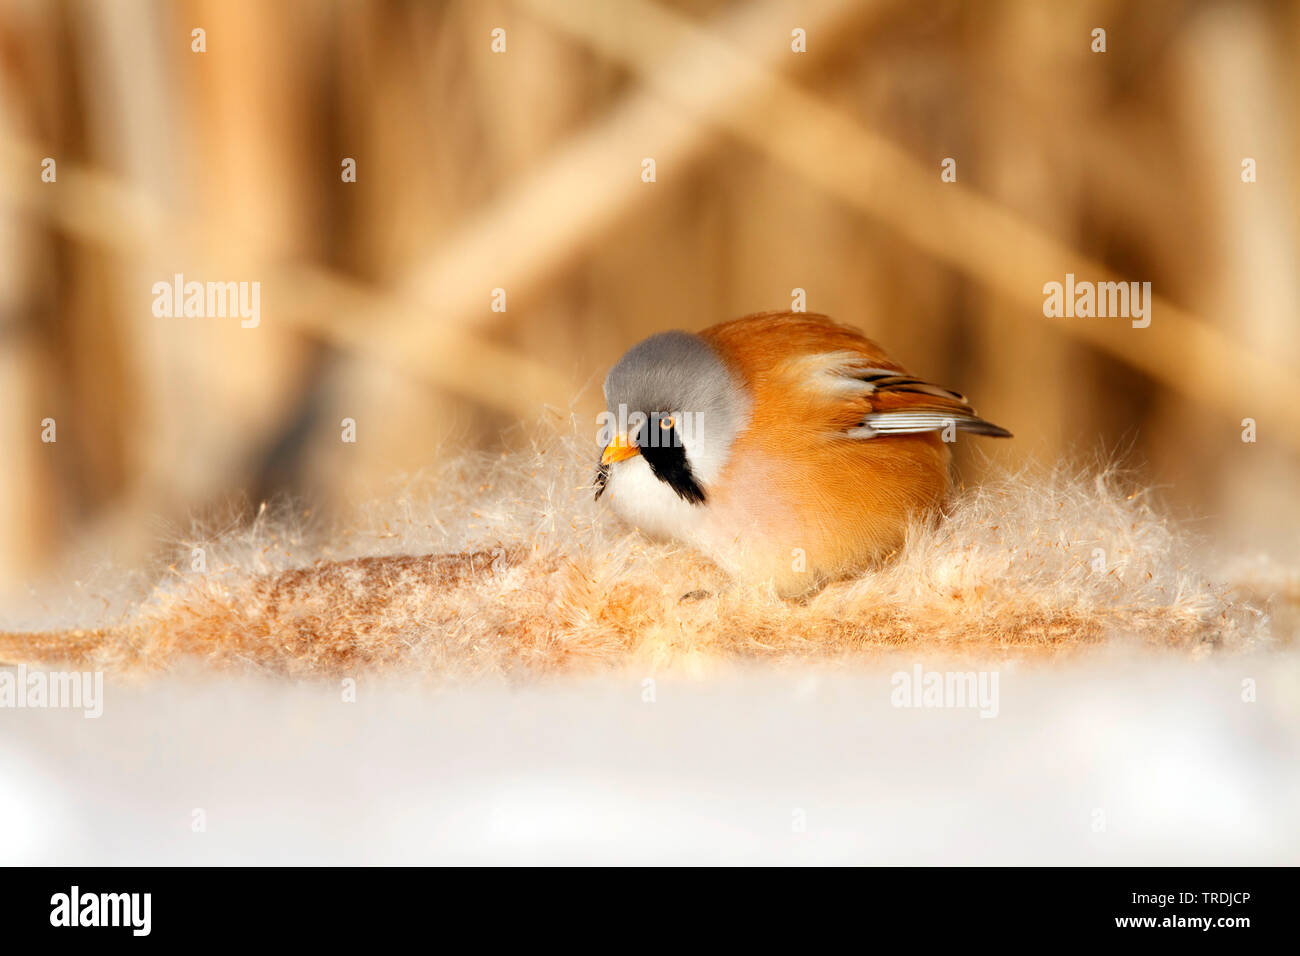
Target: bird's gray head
x: 672, y: 401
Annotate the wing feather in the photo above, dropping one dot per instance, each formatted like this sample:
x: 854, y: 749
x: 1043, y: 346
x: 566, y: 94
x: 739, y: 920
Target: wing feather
x: 815, y: 369
x: 899, y: 404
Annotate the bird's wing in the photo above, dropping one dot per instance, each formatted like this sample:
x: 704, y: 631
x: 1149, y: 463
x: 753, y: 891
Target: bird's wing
x: 898, y: 404
x: 810, y: 369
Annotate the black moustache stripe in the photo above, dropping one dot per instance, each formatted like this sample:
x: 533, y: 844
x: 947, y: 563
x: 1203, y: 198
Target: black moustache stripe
x: 668, y: 462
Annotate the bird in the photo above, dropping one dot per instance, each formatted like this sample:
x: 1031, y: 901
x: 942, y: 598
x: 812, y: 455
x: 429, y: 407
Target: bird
x: 789, y: 449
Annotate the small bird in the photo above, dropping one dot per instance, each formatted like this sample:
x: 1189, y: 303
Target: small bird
x: 786, y: 447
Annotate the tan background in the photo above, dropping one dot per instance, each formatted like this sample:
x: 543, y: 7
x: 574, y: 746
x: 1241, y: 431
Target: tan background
x: 522, y: 170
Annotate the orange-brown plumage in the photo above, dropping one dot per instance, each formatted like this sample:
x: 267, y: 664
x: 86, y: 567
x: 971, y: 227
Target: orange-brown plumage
x: 815, y: 485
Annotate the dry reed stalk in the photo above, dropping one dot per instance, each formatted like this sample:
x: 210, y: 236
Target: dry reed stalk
x: 946, y: 220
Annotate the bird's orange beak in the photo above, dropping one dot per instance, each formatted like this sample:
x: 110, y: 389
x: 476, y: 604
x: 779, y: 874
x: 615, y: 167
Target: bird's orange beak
x: 617, y: 450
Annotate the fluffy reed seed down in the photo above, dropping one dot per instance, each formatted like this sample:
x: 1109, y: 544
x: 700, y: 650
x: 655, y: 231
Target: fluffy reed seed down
x: 504, y: 565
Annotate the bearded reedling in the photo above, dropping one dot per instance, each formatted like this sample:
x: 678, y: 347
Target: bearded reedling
x: 785, y: 446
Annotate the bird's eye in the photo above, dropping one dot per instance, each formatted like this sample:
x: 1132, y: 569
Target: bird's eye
x: 666, y: 422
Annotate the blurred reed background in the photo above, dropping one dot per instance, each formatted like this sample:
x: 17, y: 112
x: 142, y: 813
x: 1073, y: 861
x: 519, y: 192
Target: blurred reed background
x: 522, y: 170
